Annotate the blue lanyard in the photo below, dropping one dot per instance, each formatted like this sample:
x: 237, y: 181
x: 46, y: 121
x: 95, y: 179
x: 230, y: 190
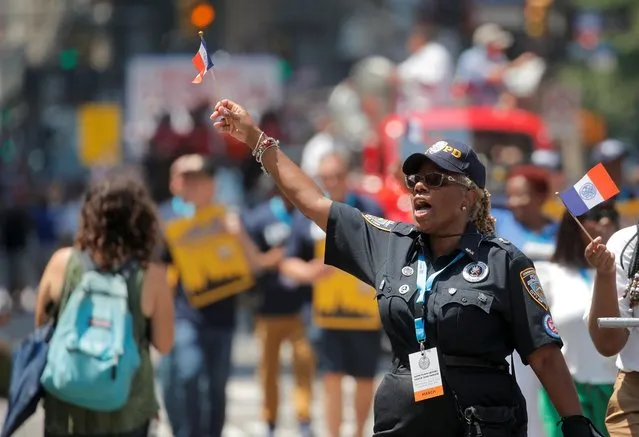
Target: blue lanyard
x: 279, y: 210
x: 425, y: 285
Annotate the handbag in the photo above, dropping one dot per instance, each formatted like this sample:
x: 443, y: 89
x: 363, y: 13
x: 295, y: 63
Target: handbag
x: 25, y: 392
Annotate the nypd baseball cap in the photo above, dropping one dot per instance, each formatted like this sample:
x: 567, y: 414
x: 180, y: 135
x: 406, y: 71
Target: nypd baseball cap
x: 452, y: 156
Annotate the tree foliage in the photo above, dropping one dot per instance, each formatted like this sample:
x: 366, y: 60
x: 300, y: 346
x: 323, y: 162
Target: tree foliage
x: 614, y: 94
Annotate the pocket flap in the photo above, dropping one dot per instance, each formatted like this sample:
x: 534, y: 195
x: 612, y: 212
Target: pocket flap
x: 467, y: 297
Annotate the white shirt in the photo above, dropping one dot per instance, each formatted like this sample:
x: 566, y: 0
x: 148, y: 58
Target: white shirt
x: 319, y: 145
x: 569, y: 294
x: 628, y: 358
x: 426, y: 77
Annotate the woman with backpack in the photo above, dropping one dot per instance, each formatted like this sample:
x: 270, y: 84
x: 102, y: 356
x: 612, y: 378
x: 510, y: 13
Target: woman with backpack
x: 110, y: 303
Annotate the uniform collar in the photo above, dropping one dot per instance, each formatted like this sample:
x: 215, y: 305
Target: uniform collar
x: 469, y: 242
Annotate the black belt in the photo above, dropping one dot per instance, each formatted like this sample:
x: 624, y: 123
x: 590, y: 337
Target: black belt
x: 455, y: 361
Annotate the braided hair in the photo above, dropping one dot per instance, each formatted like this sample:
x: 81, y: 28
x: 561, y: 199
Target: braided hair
x: 480, y: 211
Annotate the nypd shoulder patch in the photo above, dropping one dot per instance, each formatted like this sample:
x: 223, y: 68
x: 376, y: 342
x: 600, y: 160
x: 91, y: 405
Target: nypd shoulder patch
x: 379, y: 223
x: 531, y: 283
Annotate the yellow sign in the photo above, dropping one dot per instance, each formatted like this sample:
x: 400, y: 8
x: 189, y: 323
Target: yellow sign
x: 341, y: 301
x: 210, y: 262
x: 99, y: 134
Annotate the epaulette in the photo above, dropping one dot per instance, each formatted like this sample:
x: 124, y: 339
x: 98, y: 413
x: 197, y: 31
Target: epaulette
x: 389, y: 225
x: 504, y: 244
x: 403, y: 228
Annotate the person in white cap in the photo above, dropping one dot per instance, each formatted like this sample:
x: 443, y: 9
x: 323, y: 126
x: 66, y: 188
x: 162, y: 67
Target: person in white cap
x: 480, y: 69
x: 612, y: 154
x: 425, y: 77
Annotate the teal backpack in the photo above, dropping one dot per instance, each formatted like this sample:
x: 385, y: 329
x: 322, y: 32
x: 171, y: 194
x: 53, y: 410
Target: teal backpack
x: 93, y: 354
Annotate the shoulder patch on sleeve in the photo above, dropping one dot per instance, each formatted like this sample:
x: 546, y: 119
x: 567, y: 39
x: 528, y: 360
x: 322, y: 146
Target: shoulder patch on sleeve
x: 379, y: 223
x: 530, y: 281
x: 549, y: 326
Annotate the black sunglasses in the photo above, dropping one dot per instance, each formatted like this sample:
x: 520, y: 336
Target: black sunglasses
x: 431, y: 180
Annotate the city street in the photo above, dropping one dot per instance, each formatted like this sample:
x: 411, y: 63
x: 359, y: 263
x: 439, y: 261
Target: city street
x: 245, y: 397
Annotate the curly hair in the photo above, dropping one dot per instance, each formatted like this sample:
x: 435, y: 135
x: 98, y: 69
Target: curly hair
x: 118, y: 222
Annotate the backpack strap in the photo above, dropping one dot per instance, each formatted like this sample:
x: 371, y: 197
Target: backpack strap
x: 85, y: 259
x: 128, y: 269
x: 74, y: 267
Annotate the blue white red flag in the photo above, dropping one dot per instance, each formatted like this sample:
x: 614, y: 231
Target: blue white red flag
x: 594, y: 188
x: 201, y: 61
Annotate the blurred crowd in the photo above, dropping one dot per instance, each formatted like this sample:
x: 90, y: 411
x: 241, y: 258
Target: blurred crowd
x: 327, y: 140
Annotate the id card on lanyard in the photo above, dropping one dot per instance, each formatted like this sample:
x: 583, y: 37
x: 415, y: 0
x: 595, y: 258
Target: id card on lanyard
x: 424, y: 365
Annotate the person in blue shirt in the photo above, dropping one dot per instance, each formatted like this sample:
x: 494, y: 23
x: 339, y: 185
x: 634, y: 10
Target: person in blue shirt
x: 344, y: 308
x: 279, y: 317
x: 525, y: 223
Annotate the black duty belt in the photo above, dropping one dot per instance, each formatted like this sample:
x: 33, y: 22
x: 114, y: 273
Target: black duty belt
x: 456, y: 361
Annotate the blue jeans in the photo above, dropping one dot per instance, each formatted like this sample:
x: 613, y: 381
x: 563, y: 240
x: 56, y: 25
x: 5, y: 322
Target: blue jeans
x: 193, y: 377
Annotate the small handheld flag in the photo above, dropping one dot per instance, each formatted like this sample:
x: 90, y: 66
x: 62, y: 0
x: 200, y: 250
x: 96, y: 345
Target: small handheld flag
x: 594, y: 188
x: 201, y: 61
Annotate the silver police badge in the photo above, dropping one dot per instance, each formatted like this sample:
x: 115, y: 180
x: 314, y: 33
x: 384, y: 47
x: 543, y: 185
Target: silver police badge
x: 424, y: 362
x: 475, y: 272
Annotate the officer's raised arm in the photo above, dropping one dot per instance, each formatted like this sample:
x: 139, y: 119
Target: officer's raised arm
x: 356, y: 243
x: 299, y: 188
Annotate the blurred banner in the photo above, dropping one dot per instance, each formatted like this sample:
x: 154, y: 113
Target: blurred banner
x: 162, y: 84
x: 99, y: 134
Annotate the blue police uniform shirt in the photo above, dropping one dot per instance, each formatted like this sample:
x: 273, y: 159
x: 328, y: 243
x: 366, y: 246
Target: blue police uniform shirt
x: 536, y: 245
x: 270, y: 225
x: 301, y: 243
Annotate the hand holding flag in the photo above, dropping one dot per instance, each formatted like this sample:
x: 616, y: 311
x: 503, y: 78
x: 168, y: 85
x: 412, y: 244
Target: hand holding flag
x: 201, y: 61
x: 594, y: 188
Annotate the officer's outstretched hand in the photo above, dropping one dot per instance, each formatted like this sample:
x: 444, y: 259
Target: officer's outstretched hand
x: 599, y: 257
x: 578, y: 426
x: 232, y: 119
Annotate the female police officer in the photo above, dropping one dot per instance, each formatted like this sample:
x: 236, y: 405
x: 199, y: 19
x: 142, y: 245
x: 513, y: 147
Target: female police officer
x: 453, y: 299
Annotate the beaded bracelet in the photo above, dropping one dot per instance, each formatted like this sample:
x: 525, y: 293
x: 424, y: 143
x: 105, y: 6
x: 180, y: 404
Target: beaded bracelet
x: 259, y: 141
x: 263, y: 146
x: 259, y: 151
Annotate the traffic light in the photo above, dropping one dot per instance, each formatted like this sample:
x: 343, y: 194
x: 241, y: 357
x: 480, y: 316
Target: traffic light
x: 536, y: 17
x: 68, y: 59
x: 195, y: 15
x: 202, y: 15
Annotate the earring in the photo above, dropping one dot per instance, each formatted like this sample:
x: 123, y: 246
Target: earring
x: 463, y: 208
